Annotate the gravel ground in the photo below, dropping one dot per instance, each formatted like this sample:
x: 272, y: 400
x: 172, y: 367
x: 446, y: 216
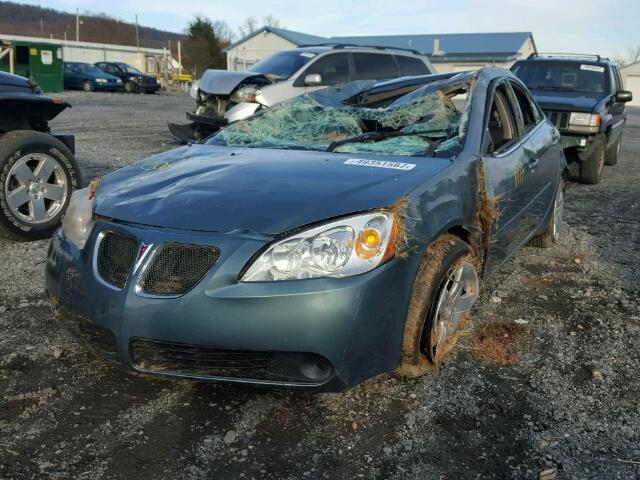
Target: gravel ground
x: 567, y: 408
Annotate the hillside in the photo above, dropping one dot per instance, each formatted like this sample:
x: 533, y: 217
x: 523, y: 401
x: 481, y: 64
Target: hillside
x: 29, y: 20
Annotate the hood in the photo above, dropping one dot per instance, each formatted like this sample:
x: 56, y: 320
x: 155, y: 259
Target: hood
x: 221, y: 189
x: 574, y: 101
x: 223, y: 82
x: 14, y: 80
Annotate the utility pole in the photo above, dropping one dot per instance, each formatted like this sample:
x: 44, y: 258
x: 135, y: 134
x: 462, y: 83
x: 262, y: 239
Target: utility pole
x: 137, y: 34
x: 179, y: 65
x: 77, y: 24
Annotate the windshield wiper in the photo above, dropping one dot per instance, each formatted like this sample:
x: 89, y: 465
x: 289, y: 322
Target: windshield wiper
x: 377, y: 136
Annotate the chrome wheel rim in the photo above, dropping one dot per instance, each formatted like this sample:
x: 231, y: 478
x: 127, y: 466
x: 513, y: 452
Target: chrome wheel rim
x: 558, y: 208
x: 36, y: 188
x: 459, y: 292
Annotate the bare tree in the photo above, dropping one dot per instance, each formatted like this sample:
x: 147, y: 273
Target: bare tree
x: 249, y: 26
x: 223, y: 31
x: 631, y: 55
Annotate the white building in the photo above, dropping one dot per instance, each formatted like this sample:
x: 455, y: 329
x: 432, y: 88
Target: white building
x: 150, y: 60
x: 448, y: 52
x: 631, y: 81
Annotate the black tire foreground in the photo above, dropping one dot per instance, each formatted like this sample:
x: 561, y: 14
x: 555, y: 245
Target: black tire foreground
x: 13, y: 146
x: 613, y: 153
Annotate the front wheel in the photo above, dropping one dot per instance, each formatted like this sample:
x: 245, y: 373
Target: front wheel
x: 38, y: 173
x: 130, y: 87
x: 445, y: 289
x: 613, y: 153
x: 87, y: 86
x: 591, y: 169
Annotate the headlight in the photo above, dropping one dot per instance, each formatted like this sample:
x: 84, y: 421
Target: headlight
x: 118, y: 80
x: 158, y: 81
x: 245, y: 94
x: 134, y: 79
x: 78, y: 220
x: 101, y: 80
x: 584, y: 119
x: 193, y: 91
x: 341, y: 248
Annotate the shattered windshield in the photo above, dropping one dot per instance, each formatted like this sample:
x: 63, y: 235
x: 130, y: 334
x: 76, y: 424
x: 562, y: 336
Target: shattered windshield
x: 428, y: 121
x: 281, y: 65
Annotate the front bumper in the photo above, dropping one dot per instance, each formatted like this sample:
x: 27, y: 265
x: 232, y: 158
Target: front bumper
x: 355, y: 324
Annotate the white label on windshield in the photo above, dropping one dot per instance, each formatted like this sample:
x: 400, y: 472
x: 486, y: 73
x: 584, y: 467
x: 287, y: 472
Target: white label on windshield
x: 592, y: 68
x: 380, y: 164
x: 307, y: 54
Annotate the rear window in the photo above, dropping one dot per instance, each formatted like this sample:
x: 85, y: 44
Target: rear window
x: 563, y: 76
x: 410, y: 66
x: 374, y: 66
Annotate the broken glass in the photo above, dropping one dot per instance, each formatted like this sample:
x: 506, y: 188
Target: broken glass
x: 315, y: 122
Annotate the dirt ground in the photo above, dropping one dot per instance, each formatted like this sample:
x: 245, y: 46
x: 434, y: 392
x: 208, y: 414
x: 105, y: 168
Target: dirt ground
x: 564, y: 406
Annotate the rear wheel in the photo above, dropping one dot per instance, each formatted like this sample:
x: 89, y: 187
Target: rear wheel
x: 445, y: 289
x: 591, y: 169
x: 87, y: 86
x: 613, y: 153
x: 38, y: 173
x: 551, y: 235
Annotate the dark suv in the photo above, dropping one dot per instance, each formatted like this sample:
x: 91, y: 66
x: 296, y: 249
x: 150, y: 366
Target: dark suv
x: 584, y: 98
x: 132, y: 78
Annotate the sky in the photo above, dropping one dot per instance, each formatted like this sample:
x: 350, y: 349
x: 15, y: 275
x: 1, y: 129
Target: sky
x: 569, y: 26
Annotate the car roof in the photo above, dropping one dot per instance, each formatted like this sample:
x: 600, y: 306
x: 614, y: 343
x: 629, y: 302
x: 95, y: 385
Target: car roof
x: 589, y: 59
x: 321, y: 48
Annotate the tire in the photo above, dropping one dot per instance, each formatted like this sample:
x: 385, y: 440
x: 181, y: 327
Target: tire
x: 87, y: 86
x: 613, y: 153
x: 32, y: 207
x: 551, y: 235
x: 130, y: 87
x: 423, y: 347
x: 591, y: 169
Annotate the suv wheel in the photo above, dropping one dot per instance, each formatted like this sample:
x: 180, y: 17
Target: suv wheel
x: 613, y: 153
x: 38, y: 173
x: 130, y: 87
x: 591, y: 169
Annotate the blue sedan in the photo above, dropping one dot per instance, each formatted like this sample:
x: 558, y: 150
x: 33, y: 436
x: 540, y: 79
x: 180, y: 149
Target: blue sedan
x: 331, y: 238
x: 89, y: 78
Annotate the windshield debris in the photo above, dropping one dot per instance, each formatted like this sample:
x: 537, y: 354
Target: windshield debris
x: 421, y: 123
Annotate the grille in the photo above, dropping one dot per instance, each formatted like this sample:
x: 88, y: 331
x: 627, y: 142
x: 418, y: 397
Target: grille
x: 99, y: 340
x: 176, y: 268
x: 559, y: 119
x: 116, y: 254
x: 201, y: 361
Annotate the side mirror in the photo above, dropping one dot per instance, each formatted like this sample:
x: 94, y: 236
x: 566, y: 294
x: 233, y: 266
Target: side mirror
x: 313, y: 80
x: 624, y: 96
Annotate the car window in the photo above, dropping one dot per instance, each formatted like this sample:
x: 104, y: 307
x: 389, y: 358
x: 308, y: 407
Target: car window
x: 112, y: 69
x: 282, y: 65
x: 410, y: 66
x: 374, y: 66
x: 530, y: 114
x: 618, y: 79
x: 569, y: 76
x: 332, y: 68
x: 67, y: 67
x: 501, y: 125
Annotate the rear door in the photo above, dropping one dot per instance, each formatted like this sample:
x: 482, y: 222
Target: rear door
x: 70, y: 77
x: 509, y: 180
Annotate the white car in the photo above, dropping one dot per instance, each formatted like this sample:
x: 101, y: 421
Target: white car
x: 224, y: 96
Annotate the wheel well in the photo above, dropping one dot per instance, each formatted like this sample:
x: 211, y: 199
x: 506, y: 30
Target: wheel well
x: 460, y: 232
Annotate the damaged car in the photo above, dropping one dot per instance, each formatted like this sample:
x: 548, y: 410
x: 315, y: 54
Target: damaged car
x: 38, y: 170
x: 224, y: 96
x: 331, y: 238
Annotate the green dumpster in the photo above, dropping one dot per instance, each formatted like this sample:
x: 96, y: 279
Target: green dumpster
x: 42, y: 62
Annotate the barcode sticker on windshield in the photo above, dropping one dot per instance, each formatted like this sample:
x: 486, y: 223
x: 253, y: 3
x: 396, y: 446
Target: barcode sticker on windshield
x: 380, y: 164
x: 592, y: 68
